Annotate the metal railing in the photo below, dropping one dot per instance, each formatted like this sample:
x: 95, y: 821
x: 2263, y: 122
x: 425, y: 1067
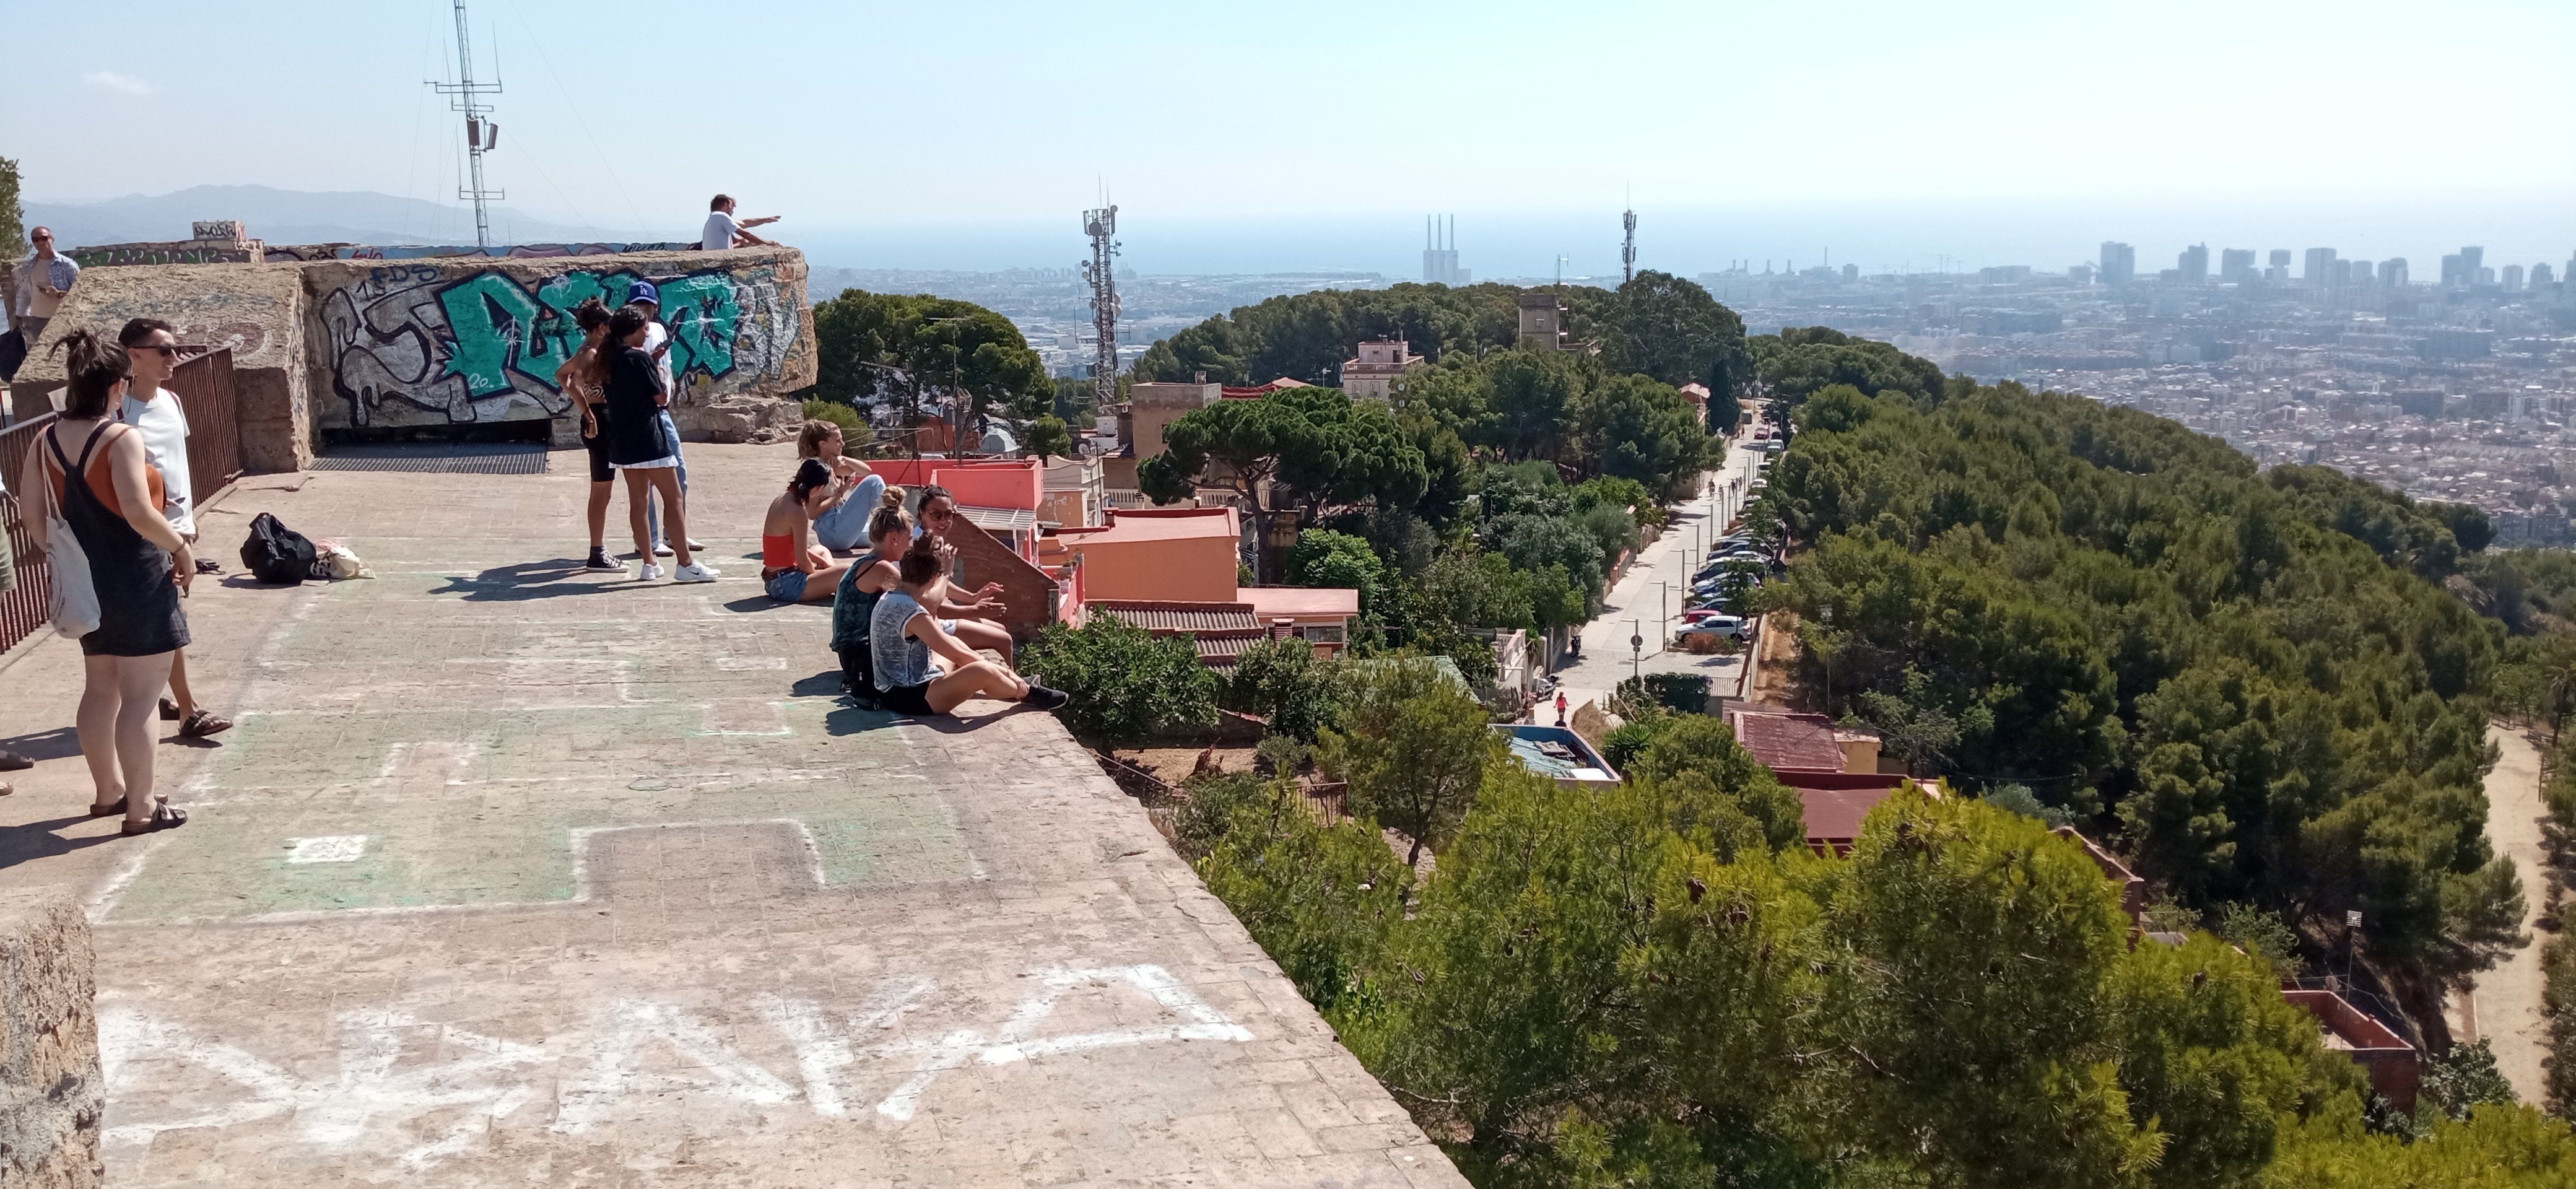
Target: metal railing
x: 22, y: 609
x: 204, y: 386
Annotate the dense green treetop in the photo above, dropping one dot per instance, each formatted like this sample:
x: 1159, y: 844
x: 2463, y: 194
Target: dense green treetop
x: 903, y: 350
x: 2244, y: 679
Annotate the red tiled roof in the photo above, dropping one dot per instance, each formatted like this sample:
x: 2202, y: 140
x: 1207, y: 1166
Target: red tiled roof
x: 1784, y: 741
x: 1834, y: 815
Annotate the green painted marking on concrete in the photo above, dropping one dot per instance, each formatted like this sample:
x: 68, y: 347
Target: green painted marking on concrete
x: 470, y: 739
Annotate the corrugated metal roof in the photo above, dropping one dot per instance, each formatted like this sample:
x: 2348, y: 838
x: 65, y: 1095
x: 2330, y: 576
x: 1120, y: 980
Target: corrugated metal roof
x: 1001, y: 519
x: 1192, y: 618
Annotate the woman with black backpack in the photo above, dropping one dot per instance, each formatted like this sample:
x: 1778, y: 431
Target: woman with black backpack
x: 119, y: 570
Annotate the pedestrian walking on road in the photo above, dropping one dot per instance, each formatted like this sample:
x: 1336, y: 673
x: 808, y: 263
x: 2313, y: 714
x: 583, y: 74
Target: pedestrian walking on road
x: 152, y: 351
x: 645, y: 447
x: 125, y: 558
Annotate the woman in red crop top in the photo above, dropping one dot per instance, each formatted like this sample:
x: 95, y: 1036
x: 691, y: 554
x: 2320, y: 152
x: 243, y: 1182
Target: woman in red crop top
x: 792, y: 566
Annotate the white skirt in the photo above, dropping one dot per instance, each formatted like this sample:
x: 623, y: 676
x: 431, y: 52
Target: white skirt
x: 665, y: 462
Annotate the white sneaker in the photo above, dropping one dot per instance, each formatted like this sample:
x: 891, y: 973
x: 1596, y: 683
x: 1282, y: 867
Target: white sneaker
x: 694, y: 547
x: 663, y: 549
x: 694, y: 572
x: 650, y: 573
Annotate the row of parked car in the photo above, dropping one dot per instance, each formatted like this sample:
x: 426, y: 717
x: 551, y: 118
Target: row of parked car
x: 1736, y: 567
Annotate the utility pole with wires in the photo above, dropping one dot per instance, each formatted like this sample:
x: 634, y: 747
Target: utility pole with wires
x: 481, y: 135
x: 1102, y: 226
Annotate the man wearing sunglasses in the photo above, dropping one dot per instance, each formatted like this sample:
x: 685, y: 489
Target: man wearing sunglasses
x: 154, y: 411
x: 42, y: 282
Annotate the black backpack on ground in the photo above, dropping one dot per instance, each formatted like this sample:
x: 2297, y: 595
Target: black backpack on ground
x: 277, y: 554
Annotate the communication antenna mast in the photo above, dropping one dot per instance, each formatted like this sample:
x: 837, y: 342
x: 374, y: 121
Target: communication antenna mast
x: 481, y: 135
x: 1628, y: 248
x: 1101, y: 225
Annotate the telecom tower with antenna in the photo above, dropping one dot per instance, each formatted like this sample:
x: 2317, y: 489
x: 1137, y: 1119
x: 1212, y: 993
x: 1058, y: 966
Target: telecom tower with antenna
x: 481, y: 135
x: 1101, y: 225
x: 1628, y: 248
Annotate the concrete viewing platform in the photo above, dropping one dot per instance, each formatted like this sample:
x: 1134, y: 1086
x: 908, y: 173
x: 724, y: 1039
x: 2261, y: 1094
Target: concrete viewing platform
x: 515, y: 874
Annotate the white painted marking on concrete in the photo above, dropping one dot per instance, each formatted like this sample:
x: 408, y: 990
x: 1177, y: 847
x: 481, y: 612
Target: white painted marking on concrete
x: 327, y: 848
x: 104, y: 900
x: 1012, y: 1042
x: 622, y: 1028
x: 581, y: 836
x: 822, y: 1051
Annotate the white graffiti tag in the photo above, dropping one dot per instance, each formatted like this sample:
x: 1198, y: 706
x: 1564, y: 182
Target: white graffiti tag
x: 442, y: 1088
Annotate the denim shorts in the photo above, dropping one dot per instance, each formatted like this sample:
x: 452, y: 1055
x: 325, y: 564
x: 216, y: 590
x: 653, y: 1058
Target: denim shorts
x: 788, y: 586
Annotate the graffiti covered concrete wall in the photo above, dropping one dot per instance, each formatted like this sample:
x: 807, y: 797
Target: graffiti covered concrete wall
x: 465, y: 340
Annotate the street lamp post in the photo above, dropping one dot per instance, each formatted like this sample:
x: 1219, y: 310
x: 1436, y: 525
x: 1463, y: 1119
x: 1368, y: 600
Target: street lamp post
x: 1637, y: 654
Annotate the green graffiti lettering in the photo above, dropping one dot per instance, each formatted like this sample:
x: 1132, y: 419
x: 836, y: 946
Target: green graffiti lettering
x: 704, y: 316
x: 491, y: 319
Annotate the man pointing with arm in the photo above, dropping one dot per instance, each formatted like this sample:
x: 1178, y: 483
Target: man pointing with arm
x: 724, y: 231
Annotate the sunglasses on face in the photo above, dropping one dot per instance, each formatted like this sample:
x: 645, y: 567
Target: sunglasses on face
x: 167, y: 351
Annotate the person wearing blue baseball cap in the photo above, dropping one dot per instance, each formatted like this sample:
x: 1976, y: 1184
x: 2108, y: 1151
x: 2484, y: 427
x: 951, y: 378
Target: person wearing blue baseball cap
x: 657, y: 343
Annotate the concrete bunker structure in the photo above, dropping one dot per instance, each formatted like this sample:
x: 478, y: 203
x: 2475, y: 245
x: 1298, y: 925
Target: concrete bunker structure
x: 353, y: 347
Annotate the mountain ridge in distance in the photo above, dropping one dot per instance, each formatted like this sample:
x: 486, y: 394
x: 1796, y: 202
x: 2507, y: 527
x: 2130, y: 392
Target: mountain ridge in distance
x: 307, y: 217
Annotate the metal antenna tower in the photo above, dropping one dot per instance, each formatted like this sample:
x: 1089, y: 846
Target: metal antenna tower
x: 1628, y: 248
x: 480, y: 134
x: 1101, y: 225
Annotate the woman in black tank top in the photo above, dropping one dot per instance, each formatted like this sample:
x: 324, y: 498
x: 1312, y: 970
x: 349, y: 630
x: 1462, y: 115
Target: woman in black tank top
x: 135, y: 564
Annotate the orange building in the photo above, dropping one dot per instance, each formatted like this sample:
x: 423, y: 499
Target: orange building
x: 1156, y: 554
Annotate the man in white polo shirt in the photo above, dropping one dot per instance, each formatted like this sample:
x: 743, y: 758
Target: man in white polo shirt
x: 724, y: 231
x: 154, y: 412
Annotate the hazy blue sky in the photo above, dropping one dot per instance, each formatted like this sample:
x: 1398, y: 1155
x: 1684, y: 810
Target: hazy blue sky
x: 1316, y: 134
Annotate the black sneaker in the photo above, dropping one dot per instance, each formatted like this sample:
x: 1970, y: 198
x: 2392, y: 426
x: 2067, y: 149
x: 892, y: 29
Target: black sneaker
x: 1044, y: 698
x: 599, y: 563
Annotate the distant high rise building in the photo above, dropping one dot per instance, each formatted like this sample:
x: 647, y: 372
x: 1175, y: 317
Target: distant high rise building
x: 2460, y: 270
x: 2119, y: 263
x: 2486, y: 276
x: 1851, y: 272
x: 2082, y: 274
x: 2541, y: 277
x: 2360, y: 272
x: 2319, y: 273
x: 1440, y: 252
x: 2512, y: 278
x: 2194, y: 264
x: 2392, y: 272
x: 2278, y: 272
x: 2236, y: 265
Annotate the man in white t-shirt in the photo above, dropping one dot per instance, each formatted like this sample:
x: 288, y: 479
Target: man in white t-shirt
x: 724, y: 231
x: 644, y: 295
x: 155, y: 413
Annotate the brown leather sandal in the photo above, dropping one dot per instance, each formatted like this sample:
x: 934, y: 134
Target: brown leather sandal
x: 169, y: 710
x: 163, y: 818
x: 116, y: 810
x: 202, y: 724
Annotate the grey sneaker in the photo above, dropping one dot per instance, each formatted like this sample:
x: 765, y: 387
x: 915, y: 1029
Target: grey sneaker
x: 650, y: 573
x: 695, y: 572
x: 663, y: 549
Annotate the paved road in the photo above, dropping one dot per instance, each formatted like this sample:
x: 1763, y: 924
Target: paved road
x: 517, y: 875
x: 1648, y: 600
x: 2507, y: 998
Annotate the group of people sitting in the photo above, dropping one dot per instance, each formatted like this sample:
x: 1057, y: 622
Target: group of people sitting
x: 907, y: 642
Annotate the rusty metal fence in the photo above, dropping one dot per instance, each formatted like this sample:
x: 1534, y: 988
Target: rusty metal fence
x: 22, y: 609
x: 204, y: 386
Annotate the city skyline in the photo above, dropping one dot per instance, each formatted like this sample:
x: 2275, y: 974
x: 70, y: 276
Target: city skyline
x: 869, y: 121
